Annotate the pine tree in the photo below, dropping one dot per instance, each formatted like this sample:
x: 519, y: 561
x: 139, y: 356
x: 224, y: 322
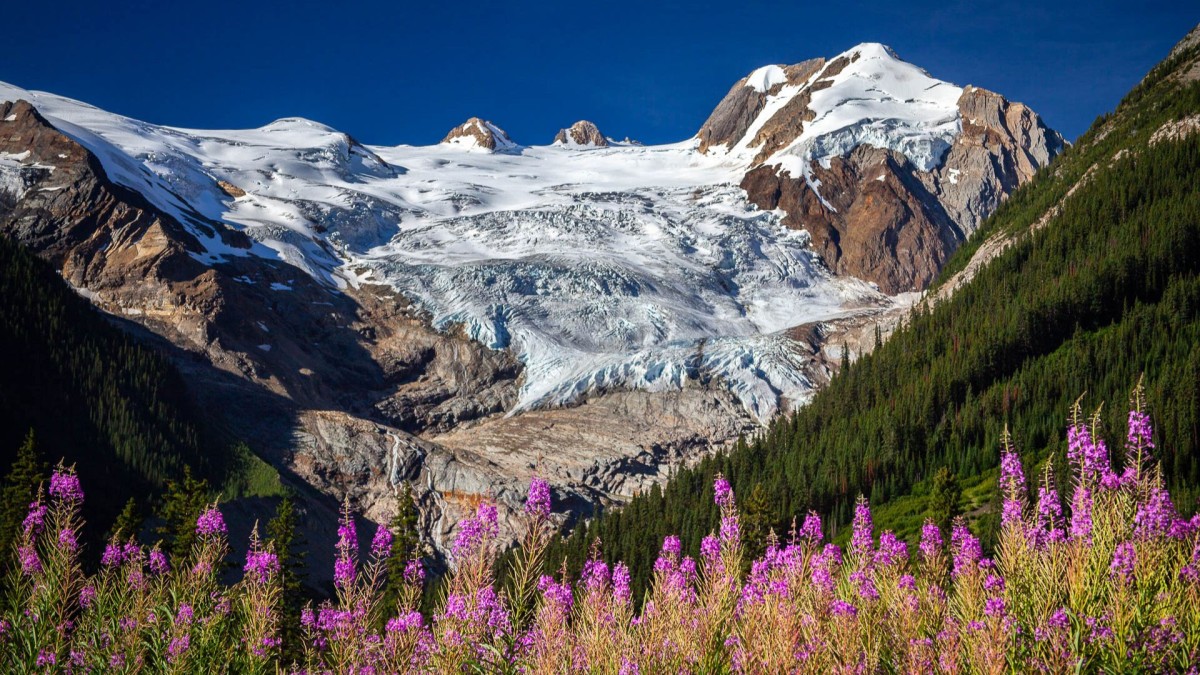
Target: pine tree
x: 129, y: 521
x: 757, y: 515
x: 845, y: 357
x: 21, y: 485
x: 285, y: 537
x: 182, y: 503
x: 406, y: 544
x: 944, y: 498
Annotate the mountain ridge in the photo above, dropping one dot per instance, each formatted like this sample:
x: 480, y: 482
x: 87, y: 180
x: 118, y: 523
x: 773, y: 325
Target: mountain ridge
x: 446, y: 317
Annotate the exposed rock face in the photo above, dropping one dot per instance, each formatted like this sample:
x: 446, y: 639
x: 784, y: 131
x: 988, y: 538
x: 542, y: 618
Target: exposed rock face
x: 741, y: 106
x: 480, y: 133
x: 876, y: 213
x: 581, y: 134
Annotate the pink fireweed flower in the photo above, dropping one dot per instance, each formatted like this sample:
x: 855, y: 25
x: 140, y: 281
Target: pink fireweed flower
x: 1139, y: 440
x: 261, y: 565
x: 489, y: 518
x: 414, y: 572
x: 810, y: 531
x: 892, y: 551
x: 557, y: 595
x: 620, y: 583
x: 381, y: 543
x: 46, y: 659
x: 595, y: 575
x: 1049, y: 515
x: 210, y: 524
x: 842, y: 608
x: 64, y: 485
x: 406, y: 622
x: 722, y: 492
x: 994, y: 607
x: 184, y: 616
x: 87, y: 594
x: 671, y: 546
x: 347, y: 535
x: 1012, y: 481
x: 68, y: 540
x: 1088, y: 455
x: 967, y: 549
x: 538, y: 501
x: 710, y: 548
x: 861, y: 540
x: 993, y: 584
x: 1124, y: 561
x: 1081, y: 514
x: 35, y: 519
x: 343, y: 572
x: 1157, y: 517
x: 158, y: 563
x: 931, y: 540
x: 113, y: 555
x: 865, y: 585
x: 730, y: 530
x: 30, y: 563
x: 178, y: 647
x: 474, y: 532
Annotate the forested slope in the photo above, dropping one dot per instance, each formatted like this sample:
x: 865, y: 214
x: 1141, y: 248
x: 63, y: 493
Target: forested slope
x: 1107, y: 290
x: 92, y: 395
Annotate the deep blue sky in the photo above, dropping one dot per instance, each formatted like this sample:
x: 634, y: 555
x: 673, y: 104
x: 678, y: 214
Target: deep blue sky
x: 405, y: 72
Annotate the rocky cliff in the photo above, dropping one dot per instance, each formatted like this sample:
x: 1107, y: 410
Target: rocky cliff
x: 888, y: 193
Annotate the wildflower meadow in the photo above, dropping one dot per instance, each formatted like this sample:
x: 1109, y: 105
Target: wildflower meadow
x: 1104, y: 579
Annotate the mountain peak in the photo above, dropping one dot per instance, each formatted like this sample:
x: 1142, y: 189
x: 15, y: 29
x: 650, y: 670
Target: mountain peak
x: 582, y: 134
x: 477, y: 133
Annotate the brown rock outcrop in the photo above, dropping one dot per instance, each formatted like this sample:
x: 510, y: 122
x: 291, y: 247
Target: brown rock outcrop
x: 582, y: 133
x: 480, y: 133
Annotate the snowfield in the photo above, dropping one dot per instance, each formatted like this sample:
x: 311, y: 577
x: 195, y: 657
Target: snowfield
x: 626, y: 266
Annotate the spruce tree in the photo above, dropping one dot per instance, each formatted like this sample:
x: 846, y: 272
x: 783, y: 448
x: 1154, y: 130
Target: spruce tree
x: 944, y: 498
x: 182, y: 503
x: 406, y: 544
x: 757, y: 515
x: 129, y: 521
x: 21, y: 485
x: 288, y: 542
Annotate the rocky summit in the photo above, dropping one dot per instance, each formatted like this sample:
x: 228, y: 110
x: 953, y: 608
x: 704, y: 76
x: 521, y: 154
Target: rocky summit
x: 466, y: 315
x: 582, y: 134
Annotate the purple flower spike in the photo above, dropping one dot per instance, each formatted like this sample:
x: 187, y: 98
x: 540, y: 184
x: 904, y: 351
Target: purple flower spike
x: 538, y: 501
x: 1124, y: 562
x: 1012, y: 481
x: 158, y: 563
x: 860, y: 541
x: 381, y: 543
x: 723, y: 493
x: 35, y: 520
x: 211, y: 524
x: 620, y: 583
x: 931, y: 540
x: 261, y: 566
x: 64, y: 484
x: 810, y: 531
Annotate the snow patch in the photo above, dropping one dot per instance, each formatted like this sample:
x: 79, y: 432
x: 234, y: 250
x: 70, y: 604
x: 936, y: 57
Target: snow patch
x: 764, y: 78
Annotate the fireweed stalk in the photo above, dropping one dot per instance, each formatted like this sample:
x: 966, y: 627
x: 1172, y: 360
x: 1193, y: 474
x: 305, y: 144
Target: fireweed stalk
x: 1107, y: 580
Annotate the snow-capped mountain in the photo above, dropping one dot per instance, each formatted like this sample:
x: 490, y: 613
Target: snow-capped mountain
x: 615, y: 268
x: 507, y: 302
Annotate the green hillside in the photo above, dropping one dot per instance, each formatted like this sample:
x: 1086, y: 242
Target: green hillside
x: 93, y: 395
x: 1108, y: 290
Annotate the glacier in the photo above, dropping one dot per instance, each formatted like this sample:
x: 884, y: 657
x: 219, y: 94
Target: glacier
x: 601, y: 269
